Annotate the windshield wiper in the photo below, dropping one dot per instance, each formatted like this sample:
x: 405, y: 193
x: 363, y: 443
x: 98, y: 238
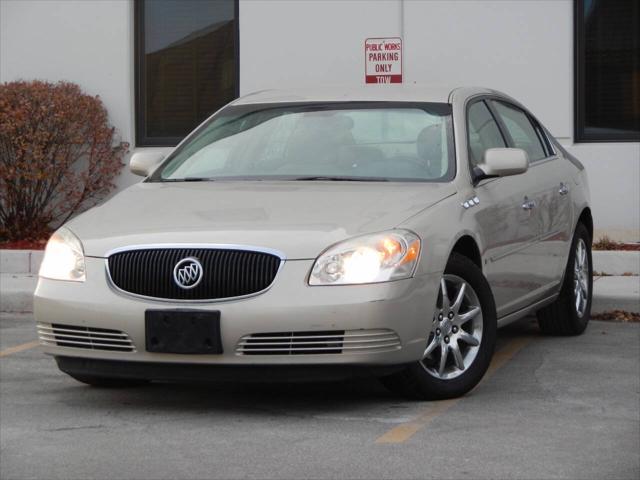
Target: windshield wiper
x: 188, y: 179
x: 341, y: 179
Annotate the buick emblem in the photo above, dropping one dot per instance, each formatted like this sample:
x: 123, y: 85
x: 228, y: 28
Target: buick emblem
x: 187, y: 273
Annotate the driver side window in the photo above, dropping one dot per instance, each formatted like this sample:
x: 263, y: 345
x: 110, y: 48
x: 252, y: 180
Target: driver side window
x: 483, y: 132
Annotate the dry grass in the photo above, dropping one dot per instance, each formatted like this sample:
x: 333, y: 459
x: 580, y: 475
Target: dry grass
x: 605, y: 243
x: 617, y: 316
x: 603, y: 274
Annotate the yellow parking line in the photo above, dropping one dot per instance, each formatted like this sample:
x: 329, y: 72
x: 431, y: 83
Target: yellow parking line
x: 405, y: 431
x: 505, y: 354
x: 18, y: 348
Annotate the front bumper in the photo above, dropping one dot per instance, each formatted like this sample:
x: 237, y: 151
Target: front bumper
x: 290, y: 305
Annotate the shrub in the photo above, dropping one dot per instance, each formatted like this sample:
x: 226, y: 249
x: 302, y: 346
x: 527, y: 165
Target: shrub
x: 605, y: 243
x: 58, y: 156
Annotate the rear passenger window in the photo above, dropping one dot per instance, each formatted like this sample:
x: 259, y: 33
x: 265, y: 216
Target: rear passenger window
x: 483, y: 132
x: 522, y: 131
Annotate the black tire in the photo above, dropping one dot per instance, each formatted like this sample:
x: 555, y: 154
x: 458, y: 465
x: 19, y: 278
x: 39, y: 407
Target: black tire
x: 561, y: 317
x: 415, y: 382
x: 108, y: 382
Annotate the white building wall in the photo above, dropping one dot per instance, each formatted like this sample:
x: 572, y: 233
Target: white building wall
x: 522, y: 47
x: 83, y: 41
x: 286, y: 43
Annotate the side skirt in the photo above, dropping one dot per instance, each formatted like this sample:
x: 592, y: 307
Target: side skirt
x: 512, y: 317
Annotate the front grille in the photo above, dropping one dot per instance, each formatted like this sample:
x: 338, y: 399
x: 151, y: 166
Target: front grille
x: 318, y: 342
x: 225, y: 273
x: 85, y: 337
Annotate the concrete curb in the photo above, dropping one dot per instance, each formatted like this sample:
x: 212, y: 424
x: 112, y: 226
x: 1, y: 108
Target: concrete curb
x: 20, y: 261
x: 616, y: 262
x: 16, y: 292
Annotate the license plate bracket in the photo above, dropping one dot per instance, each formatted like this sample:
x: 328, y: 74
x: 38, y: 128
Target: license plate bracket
x: 183, y: 331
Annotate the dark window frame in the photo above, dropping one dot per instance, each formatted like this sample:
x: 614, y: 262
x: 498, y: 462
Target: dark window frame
x: 543, y: 136
x: 548, y: 152
x: 141, y: 140
x: 470, y: 103
x: 579, y: 81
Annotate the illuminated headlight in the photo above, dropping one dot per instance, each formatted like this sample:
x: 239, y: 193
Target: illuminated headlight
x: 63, y: 258
x: 374, y: 258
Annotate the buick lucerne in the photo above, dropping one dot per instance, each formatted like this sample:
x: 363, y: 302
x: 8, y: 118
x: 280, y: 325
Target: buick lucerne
x: 386, y: 231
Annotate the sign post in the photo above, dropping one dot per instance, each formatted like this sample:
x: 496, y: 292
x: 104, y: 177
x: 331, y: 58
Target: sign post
x: 383, y: 60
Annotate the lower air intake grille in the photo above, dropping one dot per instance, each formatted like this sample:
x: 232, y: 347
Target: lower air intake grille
x: 85, y: 337
x: 318, y: 343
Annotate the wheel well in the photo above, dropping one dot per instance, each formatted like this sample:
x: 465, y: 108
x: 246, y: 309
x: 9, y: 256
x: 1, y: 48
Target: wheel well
x: 587, y: 220
x: 467, y: 246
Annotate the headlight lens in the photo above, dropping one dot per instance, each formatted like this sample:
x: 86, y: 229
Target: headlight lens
x: 63, y: 258
x: 374, y: 258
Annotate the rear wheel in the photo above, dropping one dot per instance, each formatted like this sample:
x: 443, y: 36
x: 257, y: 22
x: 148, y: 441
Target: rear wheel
x: 461, y: 340
x: 108, y: 382
x: 570, y: 313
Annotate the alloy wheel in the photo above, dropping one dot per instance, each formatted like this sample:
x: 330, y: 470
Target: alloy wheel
x: 456, y: 330
x: 581, y: 278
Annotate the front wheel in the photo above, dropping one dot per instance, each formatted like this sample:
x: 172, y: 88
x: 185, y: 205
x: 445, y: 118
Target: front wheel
x: 461, y: 339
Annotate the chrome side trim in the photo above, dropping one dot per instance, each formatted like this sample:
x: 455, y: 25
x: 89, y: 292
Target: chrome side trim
x: 537, y: 239
x: 207, y: 246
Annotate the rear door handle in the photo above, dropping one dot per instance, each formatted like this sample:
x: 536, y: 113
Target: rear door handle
x: 564, y: 189
x: 528, y: 204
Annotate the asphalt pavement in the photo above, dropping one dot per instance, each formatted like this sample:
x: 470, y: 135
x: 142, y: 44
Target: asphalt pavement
x: 565, y: 407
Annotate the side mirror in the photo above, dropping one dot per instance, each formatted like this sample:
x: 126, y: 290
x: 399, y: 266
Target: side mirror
x: 144, y: 163
x: 502, y: 162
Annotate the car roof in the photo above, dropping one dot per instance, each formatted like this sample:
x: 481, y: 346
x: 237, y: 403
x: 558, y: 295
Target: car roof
x: 362, y: 93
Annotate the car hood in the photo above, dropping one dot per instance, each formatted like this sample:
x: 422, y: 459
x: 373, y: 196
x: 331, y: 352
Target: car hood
x: 298, y: 219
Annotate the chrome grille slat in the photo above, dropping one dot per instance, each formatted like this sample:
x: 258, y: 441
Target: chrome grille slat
x: 226, y: 272
x: 388, y: 339
x: 302, y: 349
x: 85, y: 337
x: 323, y: 343
x: 345, y: 335
x: 65, y: 336
x: 124, y: 335
x: 88, y: 342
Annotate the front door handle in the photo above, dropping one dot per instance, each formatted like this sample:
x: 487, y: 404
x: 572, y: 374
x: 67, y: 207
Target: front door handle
x: 528, y: 204
x: 564, y: 189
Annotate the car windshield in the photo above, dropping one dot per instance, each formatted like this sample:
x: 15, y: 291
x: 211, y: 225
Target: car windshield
x: 339, y: 142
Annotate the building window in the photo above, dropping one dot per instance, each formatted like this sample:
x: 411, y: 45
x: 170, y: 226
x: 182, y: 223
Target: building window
x: 607, y: 49
x: 186, y: 65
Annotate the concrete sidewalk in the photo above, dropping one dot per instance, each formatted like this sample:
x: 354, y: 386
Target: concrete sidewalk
x: 609, y: 293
